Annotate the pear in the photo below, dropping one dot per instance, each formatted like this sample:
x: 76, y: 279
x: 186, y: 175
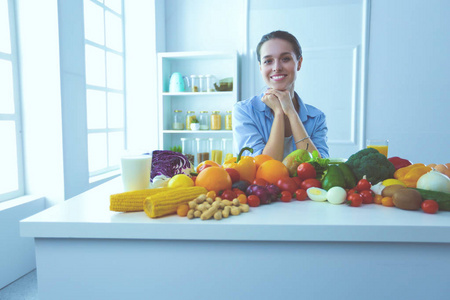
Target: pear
x: 294, y: 159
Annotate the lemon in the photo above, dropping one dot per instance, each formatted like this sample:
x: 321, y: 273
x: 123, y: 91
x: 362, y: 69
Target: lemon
x: 180, y: 180
x: 391, y: 181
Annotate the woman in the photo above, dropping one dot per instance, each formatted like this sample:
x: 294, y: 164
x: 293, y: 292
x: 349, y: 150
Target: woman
x: 277, y: 122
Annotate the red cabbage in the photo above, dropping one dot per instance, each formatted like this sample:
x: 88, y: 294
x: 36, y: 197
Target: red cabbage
x: 169, y: 163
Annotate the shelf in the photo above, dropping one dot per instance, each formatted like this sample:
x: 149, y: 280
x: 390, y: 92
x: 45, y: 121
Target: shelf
x: 198, y: 131
x: 198, y: 94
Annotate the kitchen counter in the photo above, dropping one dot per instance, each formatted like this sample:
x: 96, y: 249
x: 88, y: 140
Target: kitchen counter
x: 83, y: 250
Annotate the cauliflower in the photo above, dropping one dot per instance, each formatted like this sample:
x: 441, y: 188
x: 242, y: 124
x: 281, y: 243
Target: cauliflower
x: 371, y: 163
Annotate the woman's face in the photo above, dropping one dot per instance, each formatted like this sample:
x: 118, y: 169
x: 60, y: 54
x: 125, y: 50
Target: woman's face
x: 279, y: 64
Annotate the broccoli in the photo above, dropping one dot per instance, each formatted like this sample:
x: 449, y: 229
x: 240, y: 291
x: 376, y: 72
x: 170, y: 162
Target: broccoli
x: 371, y: 163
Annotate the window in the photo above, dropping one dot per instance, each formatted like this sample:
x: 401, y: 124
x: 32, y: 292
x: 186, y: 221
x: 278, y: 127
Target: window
x: 11, y: 162
x: 105, y: 84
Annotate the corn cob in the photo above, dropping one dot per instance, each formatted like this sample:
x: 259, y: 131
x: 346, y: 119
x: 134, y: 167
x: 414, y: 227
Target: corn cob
x: 132, y: 201
x: 166, y: 203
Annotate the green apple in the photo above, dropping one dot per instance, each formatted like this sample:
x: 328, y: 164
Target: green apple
x: 294, y: 159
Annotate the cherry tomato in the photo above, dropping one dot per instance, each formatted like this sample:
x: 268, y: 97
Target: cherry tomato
x: 305, y: 171
x: 355, y: 200
x: 430, y: 206
x: 253, y: 201
x: 234, y: 174
x: 297, y: 180
x: 228, y: 194
x: 287, y: 184
x: 286, y: 196
x: 363, y: 185
x: 311, y: 182
x: 260, y: 181
x: 301, y: 194
x: 237, y: 191
x: 367, y: 196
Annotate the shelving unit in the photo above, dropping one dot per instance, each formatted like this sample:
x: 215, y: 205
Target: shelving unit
x: 219, y: 64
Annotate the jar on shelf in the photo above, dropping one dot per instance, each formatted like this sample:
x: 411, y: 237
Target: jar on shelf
x: 194, y: 83
x: 189, y: 117
x: 216, y: 150
x: 216, y: 121
x: 177, y: 120
x: 202, y: 150
x: 228, y: 120
x: 188, y: 149
x: 204, y: 120
x: 209, y: 83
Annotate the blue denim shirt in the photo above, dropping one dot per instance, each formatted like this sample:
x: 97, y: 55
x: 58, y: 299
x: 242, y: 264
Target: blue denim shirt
x: 252, y: 123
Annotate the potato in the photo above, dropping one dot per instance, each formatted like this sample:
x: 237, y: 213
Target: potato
x: 390, y: 190
x: 408, y: 199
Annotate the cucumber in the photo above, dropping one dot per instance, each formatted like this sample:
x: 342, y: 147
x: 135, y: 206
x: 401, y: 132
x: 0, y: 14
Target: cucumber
x: 443, y: 199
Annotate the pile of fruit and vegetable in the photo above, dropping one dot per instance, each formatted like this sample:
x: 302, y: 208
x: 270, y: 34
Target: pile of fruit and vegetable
x: 242, y: 183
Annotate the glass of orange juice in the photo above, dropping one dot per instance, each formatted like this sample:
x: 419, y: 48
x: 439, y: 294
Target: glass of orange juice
x: 379, y: 144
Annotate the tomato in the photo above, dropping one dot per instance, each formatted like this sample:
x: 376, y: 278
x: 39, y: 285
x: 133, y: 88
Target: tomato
x: 363, y: 185
x: 253, y: 201
x: 237, y: 191
x: 287, y: 184
x: 194, y: 178
x: 430, y: 206
x: 234, y: 174
x: 305, y: 171
x: 260, y: 181
x: 286, y: 196
x: 301, y: 194
x: 311, y: 182
x: 351, y: 191
x: 228, y: 194
x: 367, y: 196
x: 355, y: 200
x: 297, y: 180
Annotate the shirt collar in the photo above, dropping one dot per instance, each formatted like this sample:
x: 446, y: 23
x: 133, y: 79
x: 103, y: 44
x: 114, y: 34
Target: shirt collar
x: 259, y: 105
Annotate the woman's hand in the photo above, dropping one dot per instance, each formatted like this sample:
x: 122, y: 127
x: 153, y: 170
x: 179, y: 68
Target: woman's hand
x: 272, y: 102
x: 285, y: 100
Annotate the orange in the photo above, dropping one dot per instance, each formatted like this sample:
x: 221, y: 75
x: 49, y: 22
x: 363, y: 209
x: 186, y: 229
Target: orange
x: 272, y: 170
x: 214, y: 179
x: 259, y: 159
x: 206, y: 162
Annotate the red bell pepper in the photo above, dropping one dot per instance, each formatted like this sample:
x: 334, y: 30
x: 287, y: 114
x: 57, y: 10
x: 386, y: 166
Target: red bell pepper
x: 399, y: 162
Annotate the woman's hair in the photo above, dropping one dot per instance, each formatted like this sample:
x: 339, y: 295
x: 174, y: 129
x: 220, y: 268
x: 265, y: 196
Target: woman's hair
x: 284, y: 35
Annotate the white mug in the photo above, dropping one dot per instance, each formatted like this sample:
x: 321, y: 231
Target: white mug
x: 136, y: 172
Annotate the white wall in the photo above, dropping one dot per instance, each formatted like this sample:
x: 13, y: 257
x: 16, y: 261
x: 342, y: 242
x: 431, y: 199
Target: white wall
x: 409, y: 76
x: 408, y: 69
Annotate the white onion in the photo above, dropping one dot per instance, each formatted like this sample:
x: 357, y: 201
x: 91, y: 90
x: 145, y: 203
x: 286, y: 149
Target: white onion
x: 434, y: 181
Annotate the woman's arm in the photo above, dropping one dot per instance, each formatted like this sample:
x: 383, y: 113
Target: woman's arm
x: 275, y: 144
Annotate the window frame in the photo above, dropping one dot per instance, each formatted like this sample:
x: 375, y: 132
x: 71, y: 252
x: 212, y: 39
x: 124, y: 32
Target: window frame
x: 109, y: 170
x: 17, y: 115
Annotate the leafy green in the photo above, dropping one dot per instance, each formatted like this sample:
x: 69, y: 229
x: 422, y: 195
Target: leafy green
x: 176, y: 149
x: 320, y: 164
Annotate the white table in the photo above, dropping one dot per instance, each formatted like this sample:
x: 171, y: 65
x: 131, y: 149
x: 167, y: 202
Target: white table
x: 296, y: 250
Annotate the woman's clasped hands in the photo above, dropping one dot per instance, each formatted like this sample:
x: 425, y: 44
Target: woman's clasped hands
x: 279, y: 101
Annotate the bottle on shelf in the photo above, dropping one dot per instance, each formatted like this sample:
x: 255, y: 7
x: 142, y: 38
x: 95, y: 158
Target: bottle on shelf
x: 177, y: 123
x: 228, y: 120
x: 209, y: 83
x: 216, y: 120
x: 190, y: 115
x: 204, y: 120
x: 227, y: 148
x: 216, y: 150
x: 202, y: 150
x: 188, y: 149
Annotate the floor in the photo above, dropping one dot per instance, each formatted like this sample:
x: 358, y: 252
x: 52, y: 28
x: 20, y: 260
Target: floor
x: 24, y: 288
